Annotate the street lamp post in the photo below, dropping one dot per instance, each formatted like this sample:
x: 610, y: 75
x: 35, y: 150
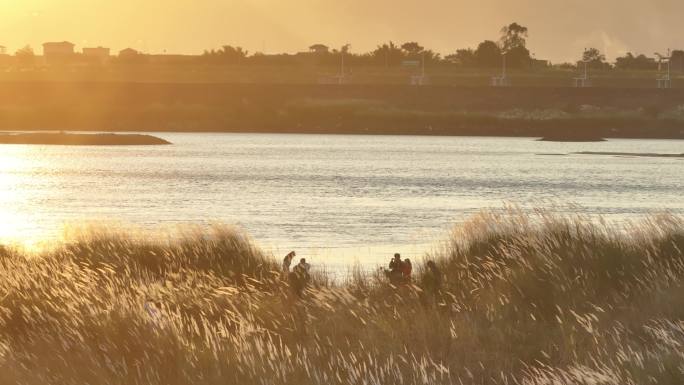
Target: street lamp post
x: 343, y: 51
x: 501, y: 81
x: 583, y: 80
x: 666, y: 81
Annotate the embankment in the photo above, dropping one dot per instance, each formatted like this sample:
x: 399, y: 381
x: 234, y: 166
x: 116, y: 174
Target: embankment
x: 348, y: 109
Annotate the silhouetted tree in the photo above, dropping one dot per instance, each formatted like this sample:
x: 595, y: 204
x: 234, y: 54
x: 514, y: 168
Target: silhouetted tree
x: 226, y: 55
x: 388, y: 54
x: 595, y: 59
x: 513, y: 36
x: 513, y: 44
x: 25, y: 56
x: 677, y: 60
x: 412, y: 48
x: 463, y: 57
x: 431, y: 56
x: 518, y: 57
x: 415, y: 51
x: 631, y: 62
x: 488, y: 54
x: 565, y: 66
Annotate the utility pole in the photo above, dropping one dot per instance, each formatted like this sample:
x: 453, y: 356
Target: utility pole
x: 343, y: 51
x: 666, y: 81
x: 503, y: 72
x: 583, y: 80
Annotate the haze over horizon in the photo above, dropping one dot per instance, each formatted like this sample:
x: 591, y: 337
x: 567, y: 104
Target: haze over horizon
x: 559, y: 31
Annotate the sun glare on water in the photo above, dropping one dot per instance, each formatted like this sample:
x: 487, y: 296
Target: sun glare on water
x: 17, y: 221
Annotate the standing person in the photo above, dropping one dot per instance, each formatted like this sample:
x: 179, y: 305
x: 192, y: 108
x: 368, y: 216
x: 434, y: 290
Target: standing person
x: 395, y: 269
x: 395, y: 262
x: 287, y: 261
x: 433, y: 277
x: 406, y: 270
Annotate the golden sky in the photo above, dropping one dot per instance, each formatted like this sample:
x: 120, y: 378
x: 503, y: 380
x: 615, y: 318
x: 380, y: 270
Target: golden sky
x: 559, y: 29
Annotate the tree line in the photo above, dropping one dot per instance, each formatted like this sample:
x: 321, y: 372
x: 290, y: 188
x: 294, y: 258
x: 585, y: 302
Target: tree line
x: 511, y: 47
x: 512, y: 44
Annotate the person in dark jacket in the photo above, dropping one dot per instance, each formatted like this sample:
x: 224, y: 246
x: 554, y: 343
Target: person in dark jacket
x: 396, y: 270
x: 300, y: 277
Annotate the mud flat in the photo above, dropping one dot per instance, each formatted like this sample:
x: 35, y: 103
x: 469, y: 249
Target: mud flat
x: 81, y: 139
x: 570, y: 137
x: 651, y: 155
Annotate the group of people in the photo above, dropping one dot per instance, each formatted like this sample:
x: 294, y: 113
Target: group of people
x: 399, y: 271
x: 299, y: 277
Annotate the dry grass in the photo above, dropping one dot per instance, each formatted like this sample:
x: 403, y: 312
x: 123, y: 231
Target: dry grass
x: 527, y: 299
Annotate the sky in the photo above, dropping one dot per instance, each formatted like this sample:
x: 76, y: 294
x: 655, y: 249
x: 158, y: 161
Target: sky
x: 559, y: 29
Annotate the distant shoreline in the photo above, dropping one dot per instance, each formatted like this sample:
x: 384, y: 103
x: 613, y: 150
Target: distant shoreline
x: 539, y: 133
x: 534, y: 112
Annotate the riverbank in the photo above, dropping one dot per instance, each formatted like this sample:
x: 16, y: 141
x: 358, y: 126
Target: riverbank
x: 346, y: 109
x: 531, y: 299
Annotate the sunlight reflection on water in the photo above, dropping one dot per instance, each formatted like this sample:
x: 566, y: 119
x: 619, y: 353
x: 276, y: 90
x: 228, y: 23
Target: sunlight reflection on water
x: 338, y: 198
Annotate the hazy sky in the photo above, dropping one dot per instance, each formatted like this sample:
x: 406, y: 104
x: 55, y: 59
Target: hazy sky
x: 559, y: 29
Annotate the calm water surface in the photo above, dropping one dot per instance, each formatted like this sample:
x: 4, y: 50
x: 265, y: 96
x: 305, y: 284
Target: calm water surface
x: 334, y: 198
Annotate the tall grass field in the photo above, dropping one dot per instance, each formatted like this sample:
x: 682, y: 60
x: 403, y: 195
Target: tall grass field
x: 528, y: 298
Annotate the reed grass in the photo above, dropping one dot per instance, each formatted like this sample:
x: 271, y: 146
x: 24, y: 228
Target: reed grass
x: 527, y: 298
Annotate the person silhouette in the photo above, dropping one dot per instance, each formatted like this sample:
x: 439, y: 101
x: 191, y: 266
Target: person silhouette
x: 287, y: 261
x: 396, y: 267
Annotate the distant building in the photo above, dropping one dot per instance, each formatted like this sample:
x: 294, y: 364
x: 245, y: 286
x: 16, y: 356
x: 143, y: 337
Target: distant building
x: 131, y: 56
x: 100, y: 54
x: 128, y: 52
x: 56, y: 52
x: 319, y: 49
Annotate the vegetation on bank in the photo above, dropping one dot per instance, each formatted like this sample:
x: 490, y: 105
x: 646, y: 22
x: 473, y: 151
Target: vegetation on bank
x: 476, y: 111
x: 526, y: 298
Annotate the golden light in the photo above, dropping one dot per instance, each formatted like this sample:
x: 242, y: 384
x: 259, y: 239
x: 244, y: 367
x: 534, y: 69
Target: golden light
x: 17, y: 219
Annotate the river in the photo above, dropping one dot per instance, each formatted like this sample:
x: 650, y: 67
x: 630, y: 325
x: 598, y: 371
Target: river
x: 334, y: 198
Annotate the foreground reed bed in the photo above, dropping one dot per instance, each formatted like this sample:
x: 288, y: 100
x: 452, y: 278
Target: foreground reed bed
x: 525, y: 299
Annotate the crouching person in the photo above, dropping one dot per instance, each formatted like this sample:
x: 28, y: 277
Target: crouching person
x: 300, y: 277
